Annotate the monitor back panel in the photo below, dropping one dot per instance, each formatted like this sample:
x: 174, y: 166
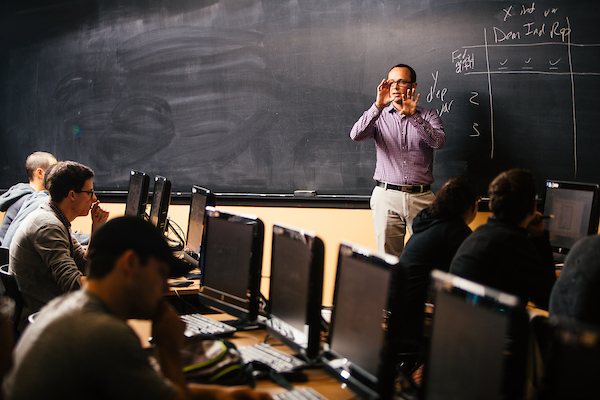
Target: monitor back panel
x: 296, y: 290
x: 161, y: 198
x: 198, y: 202
x: 469, y: 341
x: 356, y: 336
x: 232, y: 249
x: 573, y: 362
x: 137, y: 194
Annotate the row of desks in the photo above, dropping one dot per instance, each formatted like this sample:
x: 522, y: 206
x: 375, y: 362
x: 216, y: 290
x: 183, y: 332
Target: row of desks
x: 317, y: 378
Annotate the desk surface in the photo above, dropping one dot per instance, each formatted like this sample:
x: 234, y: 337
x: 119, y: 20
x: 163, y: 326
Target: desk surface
x: 194, y: 288
x: 318, y: 379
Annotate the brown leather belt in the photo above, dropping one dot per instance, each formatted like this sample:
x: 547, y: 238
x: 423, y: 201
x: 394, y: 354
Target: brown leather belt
x: 405, y: 188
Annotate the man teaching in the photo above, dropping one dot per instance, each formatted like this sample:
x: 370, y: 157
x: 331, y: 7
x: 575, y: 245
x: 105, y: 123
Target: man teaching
x: 405, y: 136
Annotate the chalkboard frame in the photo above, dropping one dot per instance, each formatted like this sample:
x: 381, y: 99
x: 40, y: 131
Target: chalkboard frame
x: 328, y: 55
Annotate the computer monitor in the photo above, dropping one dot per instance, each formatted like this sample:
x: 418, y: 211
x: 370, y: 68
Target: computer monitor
x: 296, y: 290
x: 574, y: 210
x: 137, y: 194
x: 478, y: 342
x: 161, y: 197
x: 201, y: 197
x: 573, y: 361
x: 356, y: 331
x: 232, y: 250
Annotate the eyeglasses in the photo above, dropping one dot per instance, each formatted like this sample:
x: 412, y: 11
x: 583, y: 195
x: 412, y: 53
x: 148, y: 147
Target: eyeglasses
x: 400, y: 83
x: 90, y: 192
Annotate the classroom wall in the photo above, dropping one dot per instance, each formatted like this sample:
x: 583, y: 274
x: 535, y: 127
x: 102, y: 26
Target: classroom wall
x: 259, y: 96
x: 332, y: 225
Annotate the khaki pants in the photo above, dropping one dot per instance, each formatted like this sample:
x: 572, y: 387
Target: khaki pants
x: 393, y: 212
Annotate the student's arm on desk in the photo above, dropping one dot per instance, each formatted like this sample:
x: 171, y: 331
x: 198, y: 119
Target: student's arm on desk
x: 167, y: 331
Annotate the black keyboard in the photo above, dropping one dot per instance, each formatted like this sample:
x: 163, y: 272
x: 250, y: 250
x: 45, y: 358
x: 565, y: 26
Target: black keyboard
x: 198, y: 324
x: 192, y: 254
x: 278, y: 360
x: 300, y: 394
x: 187, y: 257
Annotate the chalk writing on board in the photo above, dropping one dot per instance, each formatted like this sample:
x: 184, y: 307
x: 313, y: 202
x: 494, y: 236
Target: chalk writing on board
x: 463, y: 60
x: 529, y: 41
x: 259, y: 97
x: 436, y: 93
x: 475, y: 126
x: 472, y: 99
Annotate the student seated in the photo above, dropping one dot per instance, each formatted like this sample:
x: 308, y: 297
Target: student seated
x: 438, y: 231
x: 11, y: 201
x: 33, y: 202
x: 576, y: 295
x: 81, y: 346
x: 44, y: 257
x: 511, y: 252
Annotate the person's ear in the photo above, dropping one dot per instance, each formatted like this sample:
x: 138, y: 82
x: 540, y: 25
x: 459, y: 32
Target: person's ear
x: 128, y: 262
x: 71, y: 195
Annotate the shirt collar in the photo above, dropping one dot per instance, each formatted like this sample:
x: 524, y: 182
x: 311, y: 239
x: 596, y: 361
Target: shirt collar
x: 391, y: 109
x: 59, y: 214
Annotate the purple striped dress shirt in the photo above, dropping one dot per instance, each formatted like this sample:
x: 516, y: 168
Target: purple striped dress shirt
x: 404, y: 145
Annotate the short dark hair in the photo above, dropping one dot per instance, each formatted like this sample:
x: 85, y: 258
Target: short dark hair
x: 102, y: 263
x: 512, y: 195
x: 413, y: 74
x: 66, y: 176
x: 457, y: 196
x: 39, y: 159
x: 120, y: 234
x: 47, y: 173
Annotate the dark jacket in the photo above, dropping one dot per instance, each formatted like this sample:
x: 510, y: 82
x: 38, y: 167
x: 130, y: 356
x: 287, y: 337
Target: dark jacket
x: 576, y: 294
x: 432, y: 245
x: 11, y: 202
x: 503, y: 256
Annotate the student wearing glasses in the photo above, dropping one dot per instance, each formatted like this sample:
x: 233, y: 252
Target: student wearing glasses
x: 405, y: 136
x: 81, y: 347
x: 44, y: 257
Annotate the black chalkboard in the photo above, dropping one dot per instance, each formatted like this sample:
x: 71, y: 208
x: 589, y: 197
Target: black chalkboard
x: 259, y: 96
